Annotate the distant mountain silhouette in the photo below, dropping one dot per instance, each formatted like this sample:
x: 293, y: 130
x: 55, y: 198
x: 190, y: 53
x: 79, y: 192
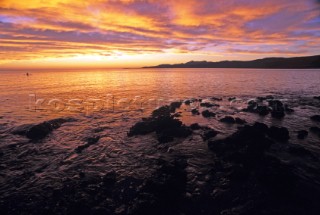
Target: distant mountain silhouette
x: 267, y: 63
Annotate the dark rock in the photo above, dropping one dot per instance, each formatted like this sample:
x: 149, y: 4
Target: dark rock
x: 208, y: 114
x: 277, y: 177
x: 218, y: 146
x: 240, y: 121
x: 317, y: 97
x: 262, y: 110
x: 278, y: 114
x: 209, y: 133
x: 174, y: 106
x: 195, y: 112
x: 168, y: 185
x: 276, y: 104
x: 195, y: 126
x: 21, y: 129
x: 302, y: 134
x: 228, y: 119
x: 252, y: 107
x: 315, y: 118
x: 269, y: 97
x: 208, y: 105
x: 161, y: 122
x: 261, y: 127
x: 168, y: 135
x: 278, y: 110
x: 41, y: 130
x: 164, y: 137
x: 142, y: 128
x: 315, y: 130
x: 299, y: 150
x: 244, y: 146
x: 165, y: 123
x: 90, y: 141
x: 187, y: 102
x: 100, y: 211
x: 216, y: 99
x: 110, y: 178
x: 280, y: 134
x: 231, y: 98
x: 163, y: 111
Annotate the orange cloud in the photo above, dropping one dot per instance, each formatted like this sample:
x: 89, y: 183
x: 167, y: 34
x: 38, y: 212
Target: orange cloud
x: 37, y: 29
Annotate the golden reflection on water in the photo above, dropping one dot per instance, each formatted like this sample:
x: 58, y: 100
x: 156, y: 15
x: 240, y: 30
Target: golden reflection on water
x: 16, y: 87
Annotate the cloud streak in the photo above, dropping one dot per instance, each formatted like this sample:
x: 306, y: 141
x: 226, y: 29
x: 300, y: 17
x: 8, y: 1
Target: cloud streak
x: 37, y: 29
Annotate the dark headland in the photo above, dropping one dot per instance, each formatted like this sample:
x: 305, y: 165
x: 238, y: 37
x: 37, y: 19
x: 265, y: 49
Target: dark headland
x: 309, y: 62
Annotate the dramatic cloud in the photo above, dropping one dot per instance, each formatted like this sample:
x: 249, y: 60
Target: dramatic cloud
x: 211, y: 30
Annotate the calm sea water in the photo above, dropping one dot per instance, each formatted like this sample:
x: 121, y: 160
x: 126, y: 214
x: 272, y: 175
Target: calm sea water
x: 28, y: 167
x: 18, y: 92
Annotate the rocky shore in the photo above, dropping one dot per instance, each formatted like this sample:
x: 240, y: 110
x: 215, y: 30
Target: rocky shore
x: 250, y: 167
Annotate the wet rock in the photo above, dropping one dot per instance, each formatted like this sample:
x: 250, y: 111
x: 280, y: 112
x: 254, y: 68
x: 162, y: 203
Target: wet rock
x: 228, y: 119
x: 252, y: 107
x: 90, y: 141
x: 168, y: 135
x: 100, y: 211
x: 315, y: 130
x: 164, y: 111
x: 109, y: 179
x: 277, y: 177
x: 168, y: 186
x: 209, y: 133
x: 302, y: 134
x: 195, y: 112
x: 280, y: 134
x: 208, y: 105
x: 278, y: 110
x: 262, y: 110
x: 269, y: 97
x: 208, y: 114
x: 317, y: 97
x: 240, y: 121
x: 218, y: 146
x: 174, y: 106
x: 275, y: 104
x: 315, y: 118
x: 299, y: 151
x: 161, y: 122
x: 261, y: 127
x: 142, y: 128
x: 278, y: 114
x: 41, y: 130
x: 187, y: 102
x: 244, y: 146
x: 216, y: 99
x: 22, y: 129
x: 195, y: 126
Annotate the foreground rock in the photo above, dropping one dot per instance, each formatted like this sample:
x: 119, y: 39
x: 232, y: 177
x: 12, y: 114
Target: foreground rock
x: 245, y: 145
x: 280, y: 134
x: 208, y: 114
x: 40, y: 131
x: 163, y: 123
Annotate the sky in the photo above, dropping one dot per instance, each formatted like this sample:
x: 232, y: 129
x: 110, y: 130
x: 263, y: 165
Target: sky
x: 136, y: 33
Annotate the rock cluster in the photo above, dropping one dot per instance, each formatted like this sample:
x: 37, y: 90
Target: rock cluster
x: 163, y: 124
